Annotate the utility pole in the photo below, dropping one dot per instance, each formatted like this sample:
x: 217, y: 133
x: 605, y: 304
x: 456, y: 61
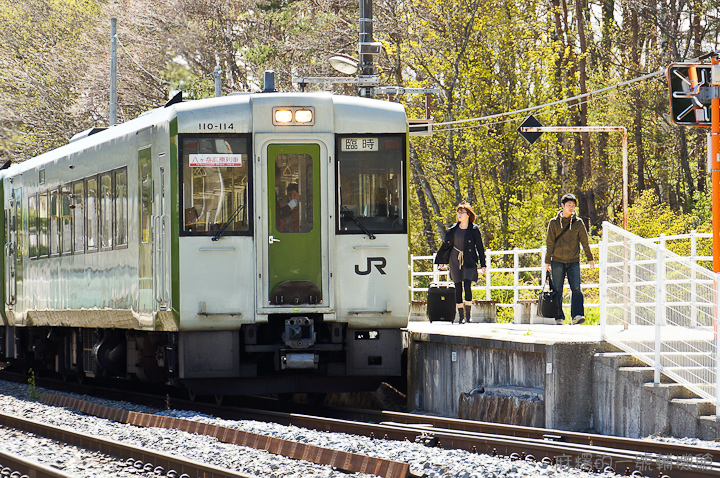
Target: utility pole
x: 218, y: 81
x: 113, y: 72
x: 715, y: 152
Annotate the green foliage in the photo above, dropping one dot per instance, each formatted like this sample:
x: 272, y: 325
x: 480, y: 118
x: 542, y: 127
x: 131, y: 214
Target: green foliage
x: 34, y: 394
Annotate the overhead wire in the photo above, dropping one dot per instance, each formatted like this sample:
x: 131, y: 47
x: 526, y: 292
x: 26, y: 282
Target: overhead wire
x: 578, y: 98
x: 511, y: 120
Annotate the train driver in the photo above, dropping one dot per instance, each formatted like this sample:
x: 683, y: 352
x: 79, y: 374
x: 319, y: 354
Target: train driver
x: 289, y: 215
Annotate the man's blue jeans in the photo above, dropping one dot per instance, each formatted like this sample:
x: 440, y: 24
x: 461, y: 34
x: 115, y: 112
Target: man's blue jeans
x: 559, y: 271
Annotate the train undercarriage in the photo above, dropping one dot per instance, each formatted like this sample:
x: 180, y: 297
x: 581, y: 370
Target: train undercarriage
x: 287, y: 354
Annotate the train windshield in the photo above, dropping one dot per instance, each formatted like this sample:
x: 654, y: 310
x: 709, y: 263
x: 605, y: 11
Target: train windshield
x: 371, y: 177
x: 214, y: 184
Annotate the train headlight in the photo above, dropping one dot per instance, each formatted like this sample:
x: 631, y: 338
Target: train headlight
x: 304, y: 116
x: 293, y: 116
x: 283, y: 116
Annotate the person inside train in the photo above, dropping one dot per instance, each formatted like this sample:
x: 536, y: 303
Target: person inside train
x: 289, y: 214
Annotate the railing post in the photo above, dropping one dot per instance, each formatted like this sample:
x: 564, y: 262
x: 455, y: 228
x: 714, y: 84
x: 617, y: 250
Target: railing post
x: 633, y: 283
x: 488, y: 279
x: 603, y: 280
x: 516, y: 278
x: 693, y: 279
x: 543, y: 271
x: 659, y: 308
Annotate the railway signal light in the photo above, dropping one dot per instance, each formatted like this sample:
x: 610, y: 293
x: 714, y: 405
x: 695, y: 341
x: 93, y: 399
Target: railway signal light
x: 690, y: 93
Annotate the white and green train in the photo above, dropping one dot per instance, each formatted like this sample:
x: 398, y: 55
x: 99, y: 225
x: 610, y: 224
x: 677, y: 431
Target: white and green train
x: 247, y: 244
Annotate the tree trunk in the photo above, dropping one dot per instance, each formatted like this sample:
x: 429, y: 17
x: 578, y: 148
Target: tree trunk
x: 424, y: 212
x: 417, y: 166
x: 687, y: 173
x: 637, y: 123
x: 587, y: 185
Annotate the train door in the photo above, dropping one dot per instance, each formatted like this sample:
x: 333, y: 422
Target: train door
x: 145, y: 257
x: 294, y: 275
x: 13, y: 274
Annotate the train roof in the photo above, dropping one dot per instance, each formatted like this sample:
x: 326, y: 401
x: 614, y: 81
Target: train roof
x: 351, y: 115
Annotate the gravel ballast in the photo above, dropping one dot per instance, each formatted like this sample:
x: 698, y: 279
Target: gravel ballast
x: 433, y: 462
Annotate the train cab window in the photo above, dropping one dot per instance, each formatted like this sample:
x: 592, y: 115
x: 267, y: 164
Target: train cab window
x: 32, y: 227
x: 215, y: 189
x: 371, y: 177
x: 65, y: 220
x: 54, y: 223
x: 91, y: 214
x: 43, y: 246
x: 106, y: 211
x: 121, y: 208
x: 78, y: 217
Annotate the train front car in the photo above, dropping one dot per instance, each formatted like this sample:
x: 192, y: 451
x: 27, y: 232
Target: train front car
x: 249, y: 244
x: 291, y: 271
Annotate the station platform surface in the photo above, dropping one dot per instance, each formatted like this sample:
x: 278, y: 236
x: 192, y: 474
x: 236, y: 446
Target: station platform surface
x: 548, y: 334
x: 527, y: 333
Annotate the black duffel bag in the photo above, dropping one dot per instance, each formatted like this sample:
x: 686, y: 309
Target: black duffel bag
x: 548, y: 303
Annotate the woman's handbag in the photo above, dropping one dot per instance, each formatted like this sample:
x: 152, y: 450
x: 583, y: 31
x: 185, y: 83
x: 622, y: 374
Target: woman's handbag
x: 548, y: 305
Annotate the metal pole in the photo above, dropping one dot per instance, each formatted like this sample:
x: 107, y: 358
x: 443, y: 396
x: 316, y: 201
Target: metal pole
x: 593, y: 129
x: 659, y: 310
x: 715, y: 134
x: 218, y: 81
x: 488, y: 280
x: 625, y: 177
x: 113, y: 72
x: 717, y: 348
x: 366, y: 36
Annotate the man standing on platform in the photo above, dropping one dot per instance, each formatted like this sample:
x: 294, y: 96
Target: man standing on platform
x: 565, y: 233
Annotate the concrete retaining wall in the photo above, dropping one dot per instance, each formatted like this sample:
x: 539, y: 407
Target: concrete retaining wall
x: 446, y: 366
x: 627, y: 402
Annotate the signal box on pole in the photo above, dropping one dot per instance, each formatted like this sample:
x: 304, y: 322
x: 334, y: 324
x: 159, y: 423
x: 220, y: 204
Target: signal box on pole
x: 689, y: 88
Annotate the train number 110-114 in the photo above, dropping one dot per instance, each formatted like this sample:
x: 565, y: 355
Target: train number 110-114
x: 215, y: 126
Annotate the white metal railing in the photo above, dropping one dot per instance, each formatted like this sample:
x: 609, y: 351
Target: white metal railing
x: 422, y: 266
x: 661, y: 308
x: 533, y: 260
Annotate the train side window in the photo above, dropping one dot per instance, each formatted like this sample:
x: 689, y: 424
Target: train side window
x: 78, y: 217
x: 43, y: 246
x: 65, y: 220
x: 91, y: 214
x: 32, y: 227
x: 106, y: 211
x: 215, y: 189
x: 370, y: 171
x: 121, y: 208
x: 54, y: 223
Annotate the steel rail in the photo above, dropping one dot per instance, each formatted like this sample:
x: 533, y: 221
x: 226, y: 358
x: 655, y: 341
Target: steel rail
x: 27, y: 467
x: 114, y: 448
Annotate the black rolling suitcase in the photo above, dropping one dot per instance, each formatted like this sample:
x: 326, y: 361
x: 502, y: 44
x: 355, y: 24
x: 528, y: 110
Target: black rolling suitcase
x: 441, y: 302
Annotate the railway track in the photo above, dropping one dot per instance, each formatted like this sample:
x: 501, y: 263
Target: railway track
x: 141, y: 458
x: 585, y: 451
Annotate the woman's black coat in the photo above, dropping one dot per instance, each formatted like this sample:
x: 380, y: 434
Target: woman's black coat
x: 472, y: 251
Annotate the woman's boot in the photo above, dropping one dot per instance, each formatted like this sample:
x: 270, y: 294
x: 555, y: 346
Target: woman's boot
x: 468, y: 309
x: 461, y: 315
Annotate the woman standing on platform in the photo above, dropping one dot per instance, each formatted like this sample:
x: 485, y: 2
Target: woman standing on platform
x: 462, y: 249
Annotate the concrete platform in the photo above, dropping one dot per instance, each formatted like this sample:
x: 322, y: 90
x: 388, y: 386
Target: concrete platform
x: 561, y: 377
